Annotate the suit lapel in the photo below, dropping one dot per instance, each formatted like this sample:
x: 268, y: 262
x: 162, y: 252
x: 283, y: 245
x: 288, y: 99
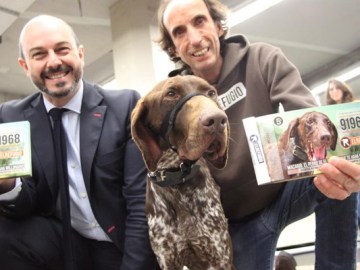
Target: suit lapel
x: 41, y: 135
x: 91, y: 124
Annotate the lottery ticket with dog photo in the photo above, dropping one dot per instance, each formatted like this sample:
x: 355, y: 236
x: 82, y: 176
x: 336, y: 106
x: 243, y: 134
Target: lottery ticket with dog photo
x: 15, y: 150
x: 294, y: 144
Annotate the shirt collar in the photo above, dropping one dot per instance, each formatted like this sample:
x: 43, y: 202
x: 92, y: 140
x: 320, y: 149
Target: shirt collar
x: 73, y: 105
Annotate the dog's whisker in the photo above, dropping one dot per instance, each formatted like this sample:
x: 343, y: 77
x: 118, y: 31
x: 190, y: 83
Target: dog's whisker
x: 233, y: 140
x: 235, y: 123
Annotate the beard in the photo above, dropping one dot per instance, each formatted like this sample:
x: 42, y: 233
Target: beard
x: 61, y: 91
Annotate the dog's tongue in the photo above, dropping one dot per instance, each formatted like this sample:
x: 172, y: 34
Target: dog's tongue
x: 319, y: 153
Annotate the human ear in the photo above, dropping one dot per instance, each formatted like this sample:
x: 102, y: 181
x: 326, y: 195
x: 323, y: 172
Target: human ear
x: 23, y: 64
x: 220, y: 29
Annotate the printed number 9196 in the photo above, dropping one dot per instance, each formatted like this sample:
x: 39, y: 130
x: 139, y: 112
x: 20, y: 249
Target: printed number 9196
x: 9, y: 139
x: 350, y: 123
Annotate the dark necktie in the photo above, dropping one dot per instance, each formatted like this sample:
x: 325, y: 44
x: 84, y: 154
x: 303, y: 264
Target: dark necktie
x: 60, y: 152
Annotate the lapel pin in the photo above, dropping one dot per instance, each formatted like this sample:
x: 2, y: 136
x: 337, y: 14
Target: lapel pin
x: 109, y: 230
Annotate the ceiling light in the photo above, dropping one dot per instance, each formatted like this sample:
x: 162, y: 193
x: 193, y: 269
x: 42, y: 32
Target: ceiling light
x: 346, y: 76
x: 246, y: 12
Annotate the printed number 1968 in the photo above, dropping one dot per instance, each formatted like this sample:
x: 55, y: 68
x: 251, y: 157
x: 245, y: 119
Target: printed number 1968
x: 9, y: 139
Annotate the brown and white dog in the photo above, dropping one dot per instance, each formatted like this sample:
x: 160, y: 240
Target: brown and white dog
x: 178, y: 126
x: 307, y: 138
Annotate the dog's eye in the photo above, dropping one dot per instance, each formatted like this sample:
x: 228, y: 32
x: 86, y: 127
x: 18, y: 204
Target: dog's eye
x: 170, y: 93
x: 211, y: 93
x: 310, y: 121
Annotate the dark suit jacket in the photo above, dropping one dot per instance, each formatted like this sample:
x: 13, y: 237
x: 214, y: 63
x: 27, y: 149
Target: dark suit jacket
x: 114, y: 173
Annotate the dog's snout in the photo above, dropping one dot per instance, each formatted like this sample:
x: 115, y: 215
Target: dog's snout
x: 324, y: 135
x: 325, y: 138
x: 214, y: 120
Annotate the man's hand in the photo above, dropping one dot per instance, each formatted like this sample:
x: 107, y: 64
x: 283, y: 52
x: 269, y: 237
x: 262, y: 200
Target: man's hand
x: 340, y: 178
x: 6, y: 185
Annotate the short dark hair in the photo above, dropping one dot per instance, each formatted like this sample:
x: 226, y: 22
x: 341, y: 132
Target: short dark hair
x: 218, y: 13
x: 284, y: 261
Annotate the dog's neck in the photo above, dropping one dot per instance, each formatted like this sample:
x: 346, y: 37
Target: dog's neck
x: 297, y: 151
x: 172, y: 171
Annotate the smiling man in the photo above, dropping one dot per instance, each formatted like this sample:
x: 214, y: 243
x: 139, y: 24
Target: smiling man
x: 105, y: 170
x: 254, y: 79
x: 53, y: 60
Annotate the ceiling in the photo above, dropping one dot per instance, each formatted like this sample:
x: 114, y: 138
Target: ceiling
x: 320, y: 37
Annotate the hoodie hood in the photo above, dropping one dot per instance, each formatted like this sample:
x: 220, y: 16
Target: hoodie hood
x: 235, y: 48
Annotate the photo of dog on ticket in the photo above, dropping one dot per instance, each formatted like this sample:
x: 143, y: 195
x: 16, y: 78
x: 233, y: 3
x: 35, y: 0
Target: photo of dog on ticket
x: 293, y: 145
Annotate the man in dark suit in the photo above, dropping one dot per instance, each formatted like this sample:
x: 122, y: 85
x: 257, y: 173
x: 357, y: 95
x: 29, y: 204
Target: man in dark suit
x: 105, y: 170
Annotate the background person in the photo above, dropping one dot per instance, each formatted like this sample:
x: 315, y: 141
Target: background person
x: 192, y: 33
x: 105, y: 169
x: 338, y: 92
x: 285, y: 261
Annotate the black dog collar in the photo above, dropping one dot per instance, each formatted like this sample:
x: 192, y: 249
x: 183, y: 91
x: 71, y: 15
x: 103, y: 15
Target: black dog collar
x: 297, y: 151
x: 171, y: 177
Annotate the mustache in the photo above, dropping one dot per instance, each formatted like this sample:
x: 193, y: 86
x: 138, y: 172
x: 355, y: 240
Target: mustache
x: 58, y: 69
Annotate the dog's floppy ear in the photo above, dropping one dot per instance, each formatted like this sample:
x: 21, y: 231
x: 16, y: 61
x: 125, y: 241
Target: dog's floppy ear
x: 290, y: 132
x: 334, y: 136
x: 144, y: 137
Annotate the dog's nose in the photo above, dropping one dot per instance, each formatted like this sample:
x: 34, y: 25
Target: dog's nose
x: 214, y: 120
x: 325, y: 138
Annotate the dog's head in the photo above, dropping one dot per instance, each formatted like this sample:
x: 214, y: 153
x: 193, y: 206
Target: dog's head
x: 181, y: 113
x: 314, y: 132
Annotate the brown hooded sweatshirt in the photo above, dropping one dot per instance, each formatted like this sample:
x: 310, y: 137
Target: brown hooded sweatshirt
x: 255, y: 79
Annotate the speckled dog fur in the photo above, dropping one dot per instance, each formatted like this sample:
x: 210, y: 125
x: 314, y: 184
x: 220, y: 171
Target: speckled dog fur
x: 187, y: 225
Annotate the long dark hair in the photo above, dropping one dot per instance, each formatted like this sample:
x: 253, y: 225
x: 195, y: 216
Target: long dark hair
x: 344, y: 87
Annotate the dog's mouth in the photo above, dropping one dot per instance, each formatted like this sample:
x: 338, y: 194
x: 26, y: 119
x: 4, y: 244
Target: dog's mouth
x: 213, y: 151
x: 316, y: 153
